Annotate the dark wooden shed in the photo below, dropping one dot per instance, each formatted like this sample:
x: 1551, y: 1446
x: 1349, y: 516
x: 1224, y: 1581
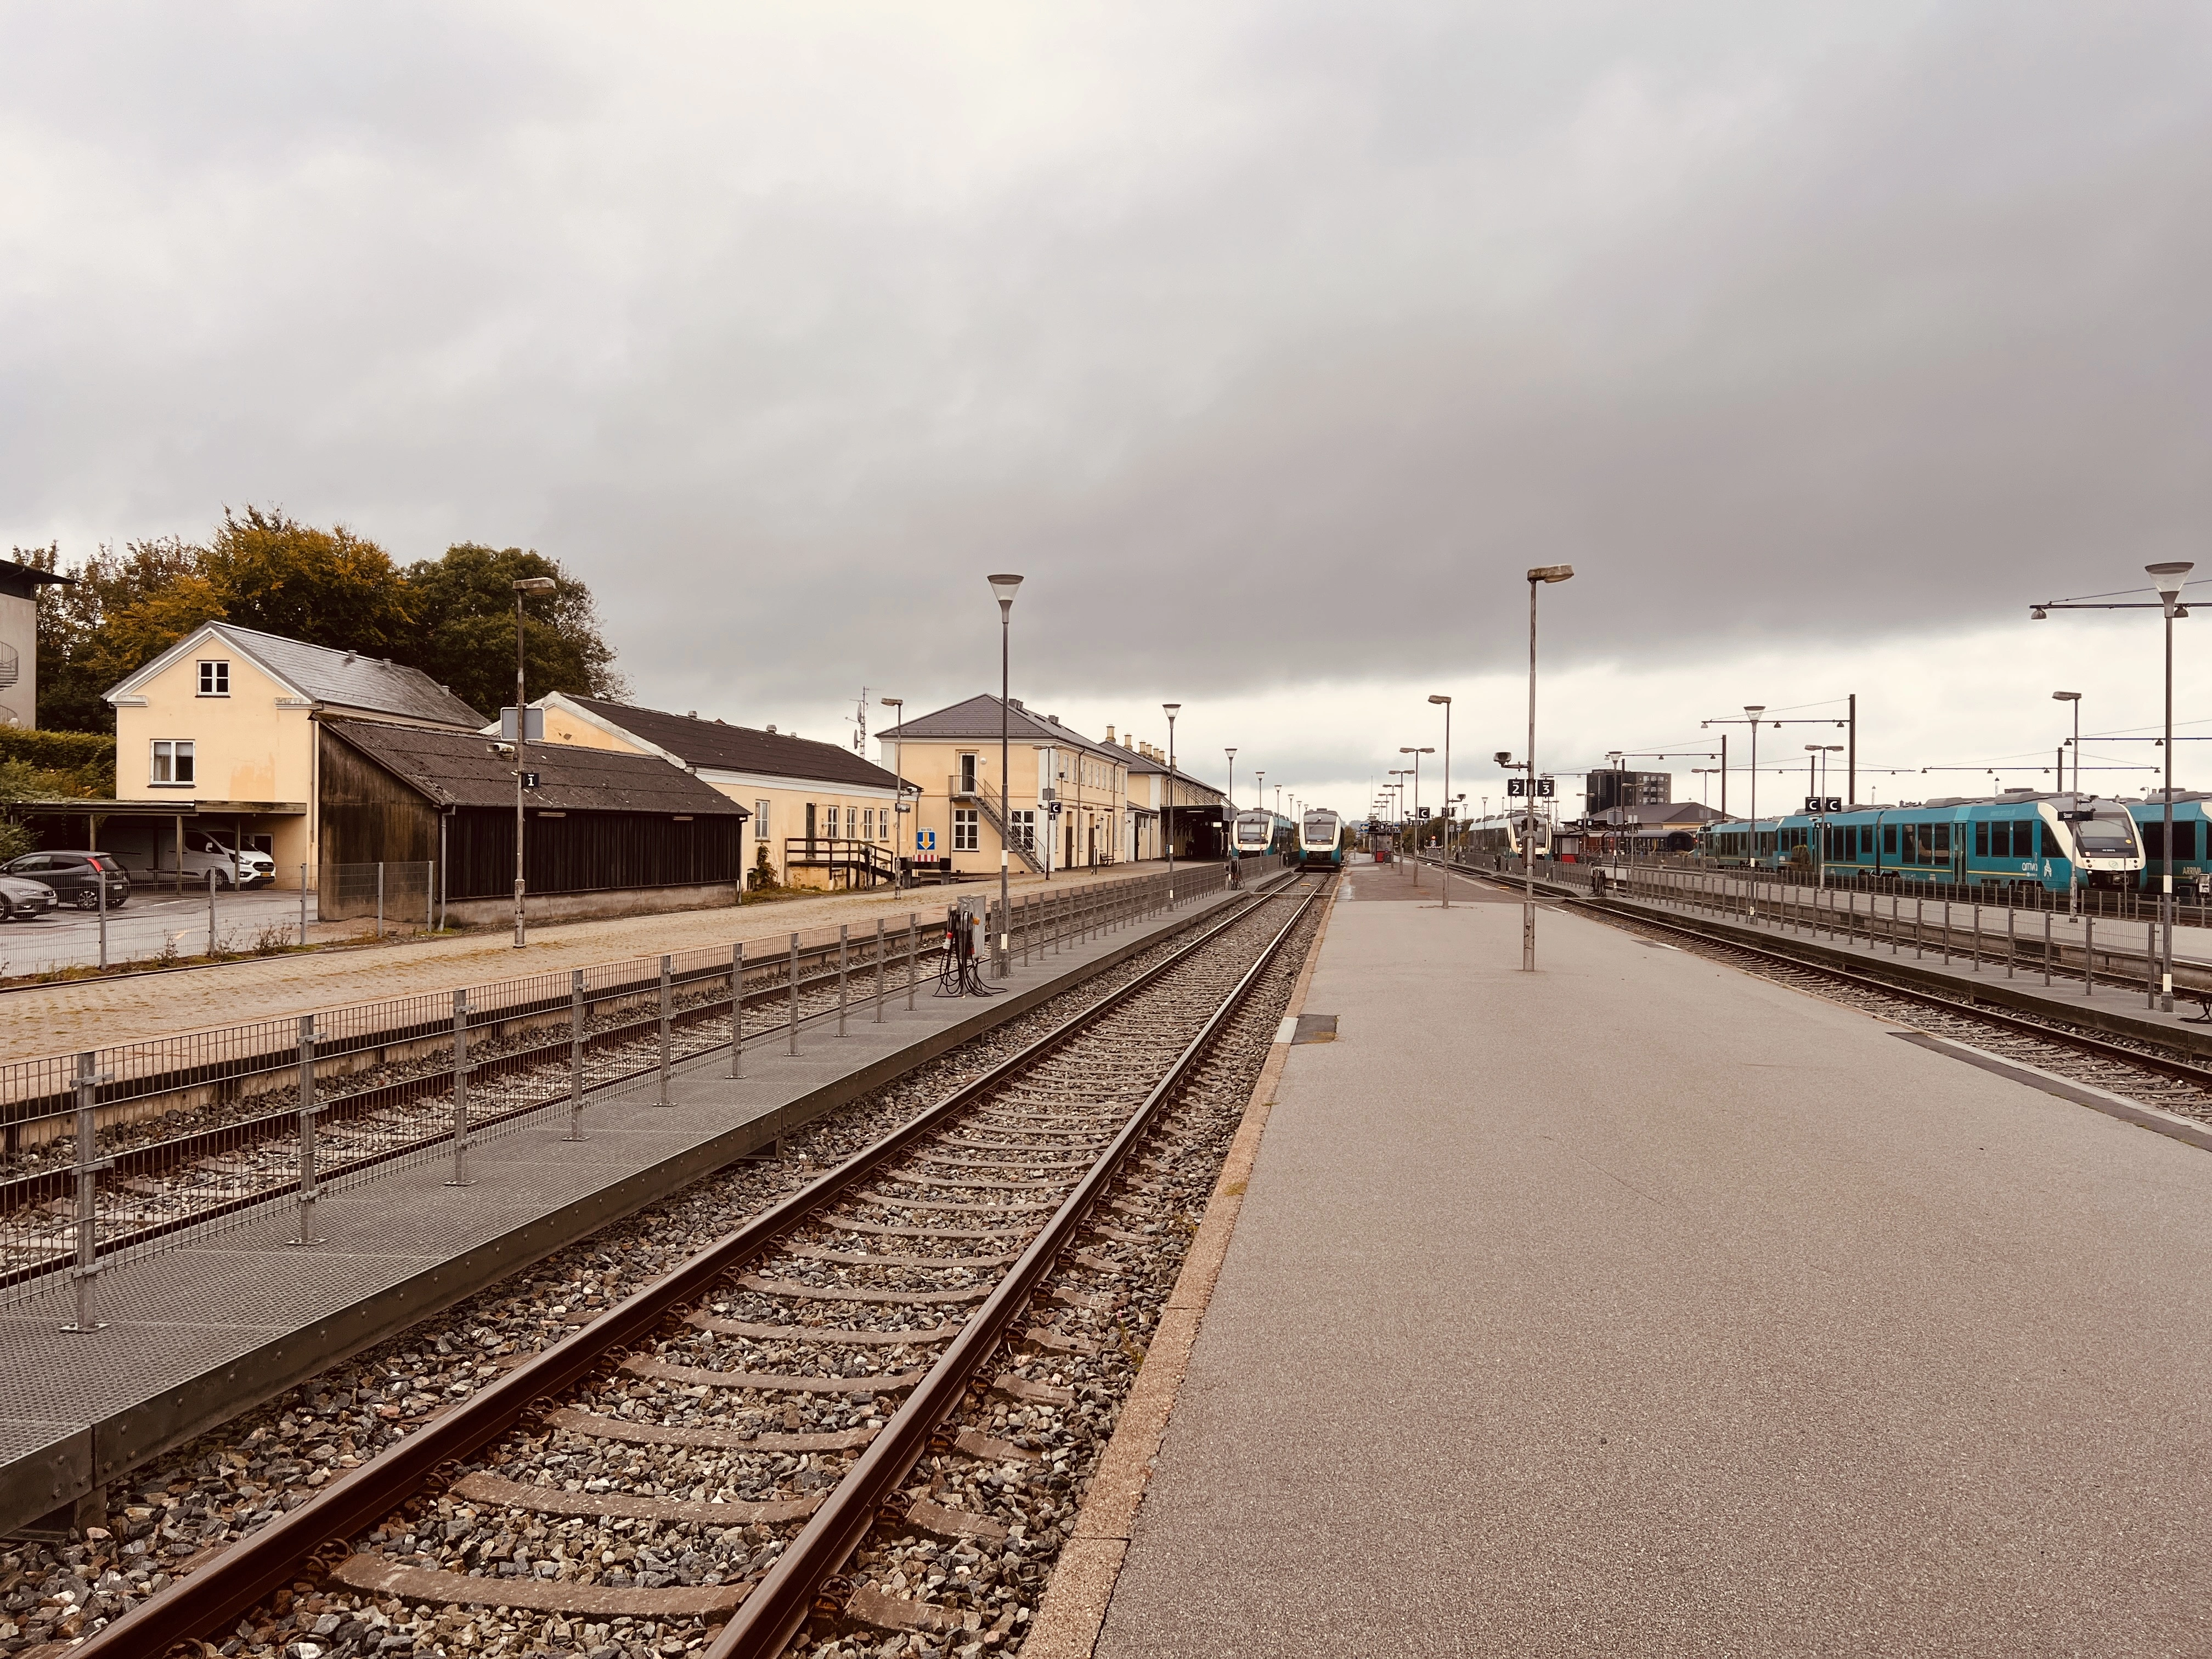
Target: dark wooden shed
x: 598, y: 821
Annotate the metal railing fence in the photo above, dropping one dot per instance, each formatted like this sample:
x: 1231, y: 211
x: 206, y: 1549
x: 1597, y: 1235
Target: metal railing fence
x: 117, y: 1152
x: 2009, y: 930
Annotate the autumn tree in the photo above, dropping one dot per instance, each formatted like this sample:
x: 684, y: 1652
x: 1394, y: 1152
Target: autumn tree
x: 464, y: 608
x: 327, y: 588
x: 125, y: 609
x: 453, y: 616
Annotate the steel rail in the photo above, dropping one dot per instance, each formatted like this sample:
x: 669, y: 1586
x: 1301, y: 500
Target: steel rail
x: 154, y: 1156
x: 782, y: 1602
x: 157, y: 1157
x: 2063, y: 1036
x: 258, y: 1564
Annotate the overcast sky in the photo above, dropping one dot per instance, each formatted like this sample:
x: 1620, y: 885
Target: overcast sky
x: 1271, y: 343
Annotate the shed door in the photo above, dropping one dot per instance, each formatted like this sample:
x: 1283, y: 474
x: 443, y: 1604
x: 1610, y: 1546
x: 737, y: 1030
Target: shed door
x: 810, y: 827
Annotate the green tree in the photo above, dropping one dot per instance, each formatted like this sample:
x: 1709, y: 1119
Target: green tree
x: 125, y: 609
x: 463, y: 607
x: 328, y: 587
x: 452, y: 617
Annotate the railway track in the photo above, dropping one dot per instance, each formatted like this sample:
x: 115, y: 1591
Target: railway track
x: 245, y: 1153
x: 712, y: 1451
x: 2137, y: 1070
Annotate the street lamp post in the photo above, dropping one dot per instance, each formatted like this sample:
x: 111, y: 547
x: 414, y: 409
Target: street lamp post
x: 1537, y: 575
x: 1167, y: 802
x: 897, y: 706
x: 1417, y: 754
x: 1753, y: 711
x: 1231, y: 753
x: 2073, y: 697
x: 1004, y: 588
x: 527, y: 584
x: 2167, y: 577
x: 1436, y: 697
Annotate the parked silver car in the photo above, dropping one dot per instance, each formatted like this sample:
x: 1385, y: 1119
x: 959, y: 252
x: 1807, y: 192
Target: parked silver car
x: 22, y: 899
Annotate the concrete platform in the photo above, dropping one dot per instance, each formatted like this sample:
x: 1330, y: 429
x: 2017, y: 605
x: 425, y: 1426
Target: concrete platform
x: 1637, y: 1306
x: 197, y: 1333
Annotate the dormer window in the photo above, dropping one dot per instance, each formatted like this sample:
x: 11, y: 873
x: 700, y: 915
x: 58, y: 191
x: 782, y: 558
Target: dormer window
x: 215, y: 679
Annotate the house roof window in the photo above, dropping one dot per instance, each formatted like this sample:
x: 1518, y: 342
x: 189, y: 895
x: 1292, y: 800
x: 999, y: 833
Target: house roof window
x: 215, y: 679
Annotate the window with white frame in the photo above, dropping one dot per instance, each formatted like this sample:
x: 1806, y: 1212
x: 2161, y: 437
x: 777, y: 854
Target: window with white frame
x: 852, y: 823
x: 215, y: 679
x: 172, y: 761
x: 963, y: 829
x: 1026, y: 829
x: 760, y: 820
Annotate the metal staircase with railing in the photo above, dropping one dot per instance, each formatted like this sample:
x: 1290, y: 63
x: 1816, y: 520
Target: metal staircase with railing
x: 975, y: 790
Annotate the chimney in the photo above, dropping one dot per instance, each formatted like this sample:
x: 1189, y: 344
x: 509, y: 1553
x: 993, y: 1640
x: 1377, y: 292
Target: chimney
x: 1109, y: 734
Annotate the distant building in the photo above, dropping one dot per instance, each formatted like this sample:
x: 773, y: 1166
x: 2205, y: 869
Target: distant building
x: 1113, y: 800
x: 1603, y: 791
x: 1667, y: 827
x: 822, y: 811
x: 18, y: 640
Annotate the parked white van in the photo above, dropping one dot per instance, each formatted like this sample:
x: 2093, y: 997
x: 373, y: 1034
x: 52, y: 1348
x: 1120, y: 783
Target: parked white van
x: 204, y: 852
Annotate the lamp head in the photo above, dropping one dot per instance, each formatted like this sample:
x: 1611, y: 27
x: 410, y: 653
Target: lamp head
x: 536, y: 585
x: 1503, y: 757
x: 894, y: 702
x: 1003, y: 588
x: 2037, y: 613
x: 1754, y: 709
x: 1172, y: 708
x: 1433, y: 697
x: 1550, y: 573
x: 2168, y: 577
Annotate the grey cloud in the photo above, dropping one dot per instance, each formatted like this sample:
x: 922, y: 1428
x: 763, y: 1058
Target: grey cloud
x: 1285, y: 359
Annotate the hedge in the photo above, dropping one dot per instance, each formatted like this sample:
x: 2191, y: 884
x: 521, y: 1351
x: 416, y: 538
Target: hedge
x: 57, y: 751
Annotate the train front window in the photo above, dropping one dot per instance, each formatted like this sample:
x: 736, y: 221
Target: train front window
x: 2107, y: 837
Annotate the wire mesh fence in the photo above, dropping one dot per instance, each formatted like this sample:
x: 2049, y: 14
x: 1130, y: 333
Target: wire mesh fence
x: 403, y: 895
x: 117, y: 1152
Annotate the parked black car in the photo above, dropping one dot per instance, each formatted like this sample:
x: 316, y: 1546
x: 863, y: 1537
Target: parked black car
x: 74, y: 877
x: 22, y: 899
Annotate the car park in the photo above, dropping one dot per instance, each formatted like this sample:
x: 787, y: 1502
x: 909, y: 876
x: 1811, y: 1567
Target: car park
x: 208, y: 854
x: 23, y: 898
x: 75, y: 876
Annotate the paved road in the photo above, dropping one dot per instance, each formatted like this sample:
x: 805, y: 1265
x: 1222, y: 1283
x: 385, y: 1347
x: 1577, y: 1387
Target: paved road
x: 149, y: 921
x: 1641, y: 1307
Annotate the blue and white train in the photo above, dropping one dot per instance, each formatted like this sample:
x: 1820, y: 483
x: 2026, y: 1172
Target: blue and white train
x: 1503, y: 839
x: 1321, y: 840
x: 2016, y: 839
x: 2192, y: 841
x: 1263, y: 835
